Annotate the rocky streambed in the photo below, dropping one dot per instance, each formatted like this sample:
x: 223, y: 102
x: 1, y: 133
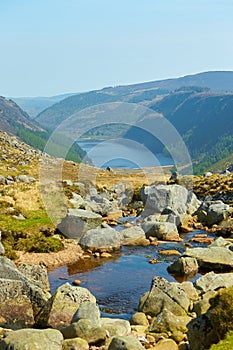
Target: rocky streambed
x: 165, y: 313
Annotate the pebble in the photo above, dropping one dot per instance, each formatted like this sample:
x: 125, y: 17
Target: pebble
x: 76, y: 282
x: 169, y: 252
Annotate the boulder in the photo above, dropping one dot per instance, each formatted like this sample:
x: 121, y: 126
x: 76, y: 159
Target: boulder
x: 184, y: 266
x: 132, y: 235
x: 211, y: 258
x: 162, y: 230
x: 37, y: 274
x: 77, y: 222
x: 125, y: 343
x: 25, y: 178
x: 201, y: 334
x: 166, y: 322
x: 190, y: 290
x: 101, y: 239
x: 85, y: 329
x: 115, y: 326
x: 32, y: 339
x: 15, y: 306
x: 164, y: 295
x: 88, y: 310
x: 37, y: 296
x: 75, y: 344
x: 212, y: 212
x: 61, y: 307
x: 139, y: 318
x: 174, y: 197
x: 213, y: 281
x: 166, y: 344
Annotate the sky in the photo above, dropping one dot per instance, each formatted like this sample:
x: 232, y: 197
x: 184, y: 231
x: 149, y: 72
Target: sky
x: 51, y: 47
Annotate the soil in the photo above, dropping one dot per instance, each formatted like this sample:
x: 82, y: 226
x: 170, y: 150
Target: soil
x: 70, y: 254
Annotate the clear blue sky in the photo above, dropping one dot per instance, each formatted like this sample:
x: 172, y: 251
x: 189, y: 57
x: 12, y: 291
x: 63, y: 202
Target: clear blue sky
x: 49, y: 47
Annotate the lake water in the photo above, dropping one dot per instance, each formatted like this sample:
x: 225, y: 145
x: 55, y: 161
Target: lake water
x: 122, y: 153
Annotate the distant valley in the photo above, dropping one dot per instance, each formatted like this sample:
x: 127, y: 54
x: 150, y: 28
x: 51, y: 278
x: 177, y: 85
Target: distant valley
x: 200, y: 107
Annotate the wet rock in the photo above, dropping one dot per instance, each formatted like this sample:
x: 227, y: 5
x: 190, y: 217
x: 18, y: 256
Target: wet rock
x: 211, y: 258
x: 32, y: 339
x: 100, y: 239
x: 75, y: 344
x: 184, y: 266
x: 85, y: 329
x: 88, y: 310
x: 132, y: 235
x: 115, y: 326
x: 37, y: 274
x: 161, y: 230
x: 77, y: 222
x: 61, y: 307
x: 125, y: 343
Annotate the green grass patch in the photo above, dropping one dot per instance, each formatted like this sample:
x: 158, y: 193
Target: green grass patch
x: 225, y: 344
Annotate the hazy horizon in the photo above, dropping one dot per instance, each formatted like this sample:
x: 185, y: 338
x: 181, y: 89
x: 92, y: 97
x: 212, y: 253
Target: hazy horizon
x: 55, y: 47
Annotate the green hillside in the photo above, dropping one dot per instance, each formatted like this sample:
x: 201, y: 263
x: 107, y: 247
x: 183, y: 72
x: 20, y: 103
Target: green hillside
x: 15, y: 121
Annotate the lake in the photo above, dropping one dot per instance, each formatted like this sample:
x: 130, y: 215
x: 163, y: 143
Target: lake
x: 122, y: 153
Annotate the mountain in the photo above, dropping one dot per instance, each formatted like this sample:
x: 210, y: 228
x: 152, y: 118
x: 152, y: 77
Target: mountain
x: 15, y: 121
x: 52, y: 116
x: 199, y: 106
x: 35, y: 105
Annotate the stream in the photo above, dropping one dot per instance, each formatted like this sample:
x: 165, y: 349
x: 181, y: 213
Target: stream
x: 119, y: 282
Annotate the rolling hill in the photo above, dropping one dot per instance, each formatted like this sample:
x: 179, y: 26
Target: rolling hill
x: 15, y: 121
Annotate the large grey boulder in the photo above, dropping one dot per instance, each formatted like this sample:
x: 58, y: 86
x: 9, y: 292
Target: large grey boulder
x: 132, y: 235
x: 174, y: 197
x: 211, y: 258
x: 37, y: 296
x: 164, y: 295
x: 33, y: 339
x: 62, y: 306
x: 101, y: 205
x: 101, y: 239
x: 162, y: 230
x: 212, y: 212
x: 77, y: 222
x: 37, y: 274
x: 125, y: 343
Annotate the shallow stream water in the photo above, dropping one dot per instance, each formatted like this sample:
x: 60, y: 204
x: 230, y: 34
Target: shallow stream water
x: 120, y: 281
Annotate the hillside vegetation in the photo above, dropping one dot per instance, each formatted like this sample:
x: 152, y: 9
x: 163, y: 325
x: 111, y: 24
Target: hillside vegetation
x: 17, y: 122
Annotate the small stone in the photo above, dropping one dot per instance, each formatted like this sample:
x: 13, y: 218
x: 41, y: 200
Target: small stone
x: 169, y: 252
x: 77, y: 282
x: 106, y: 255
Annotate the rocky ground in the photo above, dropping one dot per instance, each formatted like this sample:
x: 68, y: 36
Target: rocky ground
x: 83, y: 207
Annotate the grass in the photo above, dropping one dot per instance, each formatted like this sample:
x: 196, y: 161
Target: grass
x: 225, y: 344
